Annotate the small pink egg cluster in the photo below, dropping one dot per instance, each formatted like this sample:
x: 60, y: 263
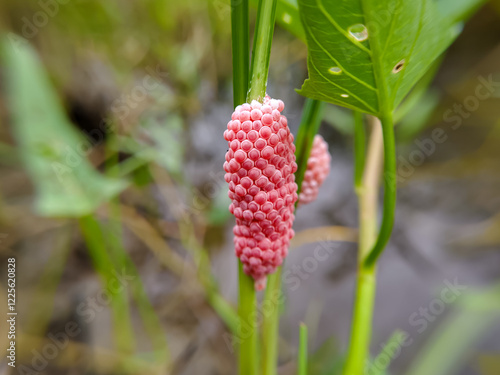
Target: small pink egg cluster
x: 318, y: 167
x: 260, y: 166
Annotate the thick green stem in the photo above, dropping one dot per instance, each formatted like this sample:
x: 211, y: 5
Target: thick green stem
x: 241, y: 49
x: 260, y: 66
x: 359, y: 150
x: 262, y: 40
x: 365, y: 291
x: 390, y: 185
x: 270, y: 324
x: 247, y: 306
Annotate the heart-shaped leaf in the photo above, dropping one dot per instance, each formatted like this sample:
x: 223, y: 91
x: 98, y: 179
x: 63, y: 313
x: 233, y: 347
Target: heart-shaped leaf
x: 367, y: 54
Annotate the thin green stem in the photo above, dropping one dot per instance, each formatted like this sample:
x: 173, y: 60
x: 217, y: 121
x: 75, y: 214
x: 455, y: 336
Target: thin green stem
x: 247, y: 306
x: 302, y: 362
x: 309, y: 125
x: 359, y: 149
x: 390, y: 186
x: 262, y: 40
x: 365, y: 290
x: 241, y: 49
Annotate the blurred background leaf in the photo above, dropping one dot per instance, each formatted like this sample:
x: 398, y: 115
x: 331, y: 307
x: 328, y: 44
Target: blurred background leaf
x: 54, y: 152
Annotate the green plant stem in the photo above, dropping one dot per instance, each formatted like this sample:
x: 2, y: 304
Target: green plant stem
x: 260, y: 66
x: 359, y: 149
x: 365, y: 290
x: 390, y: 186
x: 302, y: 362
x: 270, y: 324
x: 241, y: 49
x: 309, y: 125
x: 247, y: 306
x: 262, y: 40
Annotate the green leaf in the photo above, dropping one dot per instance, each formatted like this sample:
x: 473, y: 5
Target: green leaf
x: 459, y: 10
x: 53, y: 151
x: 367, y: 55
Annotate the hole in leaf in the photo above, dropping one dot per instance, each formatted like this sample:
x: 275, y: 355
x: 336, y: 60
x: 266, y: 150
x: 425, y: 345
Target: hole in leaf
x: 399, y: 66
x: 358, y: 32
x: 335, y: 70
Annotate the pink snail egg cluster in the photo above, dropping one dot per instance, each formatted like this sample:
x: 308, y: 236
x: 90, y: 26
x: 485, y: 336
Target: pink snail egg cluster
x: 318, y: 168
x: 260, y: 166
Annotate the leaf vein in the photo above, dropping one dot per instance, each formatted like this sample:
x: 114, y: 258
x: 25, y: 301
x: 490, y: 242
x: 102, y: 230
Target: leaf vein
x: 341, y: 30
x: 343, y: 88
x: 368, y: 86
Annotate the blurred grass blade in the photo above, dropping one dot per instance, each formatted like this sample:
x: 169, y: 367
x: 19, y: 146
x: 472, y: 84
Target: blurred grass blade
x: 319, y: 234
x: 122, y: 261
x: 445, y: 352
x: 387, y: 354
x: 326, y: 360
x: 41, y: 299
x: 302, y: 361
x: 145, y: 232
x: 96, y: 244
x: 53, y: 151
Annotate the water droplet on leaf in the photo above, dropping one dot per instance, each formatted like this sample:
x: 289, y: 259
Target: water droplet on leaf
x: 344, y: 95
x: 358, y: 32
x: 287, y: 18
